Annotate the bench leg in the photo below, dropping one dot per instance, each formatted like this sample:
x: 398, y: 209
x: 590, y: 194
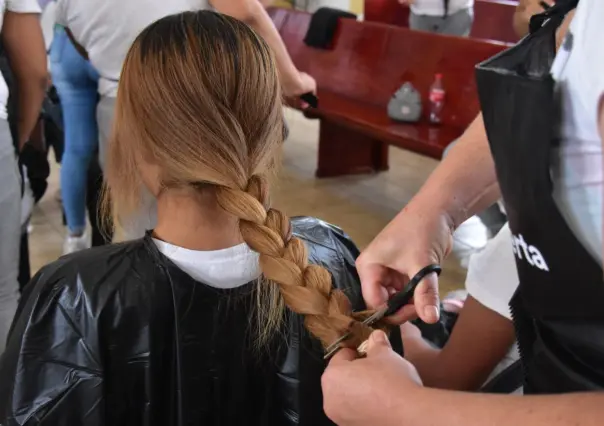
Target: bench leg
x: 343, y: 151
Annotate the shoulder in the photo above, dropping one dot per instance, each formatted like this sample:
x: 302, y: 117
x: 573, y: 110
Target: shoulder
x: 86, y: 279
x: 333, y: 249
x: 320, y: 235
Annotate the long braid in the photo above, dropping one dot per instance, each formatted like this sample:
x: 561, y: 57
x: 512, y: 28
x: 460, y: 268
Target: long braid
x: 306, y: 289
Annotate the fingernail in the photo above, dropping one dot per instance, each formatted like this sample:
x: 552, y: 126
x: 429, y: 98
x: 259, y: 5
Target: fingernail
x: 431, y: 313
x: 379, y: 337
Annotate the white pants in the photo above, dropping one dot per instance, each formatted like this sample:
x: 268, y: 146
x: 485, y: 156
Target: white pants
x: 10, y: 232
x: 146, y: 218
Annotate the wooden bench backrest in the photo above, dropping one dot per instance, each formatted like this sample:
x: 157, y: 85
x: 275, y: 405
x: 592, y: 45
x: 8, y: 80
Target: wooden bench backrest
x: 369, y: 62
x: 492, y: 18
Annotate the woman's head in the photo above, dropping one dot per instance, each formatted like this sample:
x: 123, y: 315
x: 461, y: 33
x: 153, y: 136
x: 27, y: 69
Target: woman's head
x: 199, y: 108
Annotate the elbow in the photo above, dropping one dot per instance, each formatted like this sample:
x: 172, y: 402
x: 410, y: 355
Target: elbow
x: 37, y: 81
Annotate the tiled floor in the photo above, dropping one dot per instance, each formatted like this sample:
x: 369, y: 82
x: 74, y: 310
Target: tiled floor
x: 361, y: 205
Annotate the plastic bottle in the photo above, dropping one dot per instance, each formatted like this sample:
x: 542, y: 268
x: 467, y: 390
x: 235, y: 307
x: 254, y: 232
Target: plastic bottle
x: 437, y: 99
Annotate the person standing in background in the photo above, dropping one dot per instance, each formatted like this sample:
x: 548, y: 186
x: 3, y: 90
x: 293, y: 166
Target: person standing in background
x: 448, y: 17
x: 104, y: 31
x: 24, y: 45
x: 76, y: 82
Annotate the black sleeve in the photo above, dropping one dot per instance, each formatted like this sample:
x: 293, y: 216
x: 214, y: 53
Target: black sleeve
x: 50, y: 373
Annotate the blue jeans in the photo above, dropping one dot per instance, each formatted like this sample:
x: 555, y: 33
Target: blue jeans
x: 76, y: 82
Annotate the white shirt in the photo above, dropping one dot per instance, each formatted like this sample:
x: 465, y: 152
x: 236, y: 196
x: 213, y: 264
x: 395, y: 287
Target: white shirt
x: 17, y: 6
x: 227, y: 268
x: 107, y: 29
x: 577, y: 164
x: 492, y: 280
x: 437, y: 7
x: 48, y: 21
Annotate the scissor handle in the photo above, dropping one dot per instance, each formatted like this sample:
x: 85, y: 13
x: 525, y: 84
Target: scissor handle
x: 403, y: 297
x: 311, y: 99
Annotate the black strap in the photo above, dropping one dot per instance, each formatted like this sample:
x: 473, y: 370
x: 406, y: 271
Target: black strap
x: 560, y: 9
x: 506, y: 382
x: 446, y: 6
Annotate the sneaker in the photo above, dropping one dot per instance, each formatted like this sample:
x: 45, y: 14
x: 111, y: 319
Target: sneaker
x: 471, y: 237
x: 76, y: 243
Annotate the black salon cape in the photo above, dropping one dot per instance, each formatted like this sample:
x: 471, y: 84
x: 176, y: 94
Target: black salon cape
x: 118, y: 335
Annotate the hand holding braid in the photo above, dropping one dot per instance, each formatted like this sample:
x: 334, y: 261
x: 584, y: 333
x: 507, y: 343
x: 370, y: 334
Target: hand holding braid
x: 306, y: 289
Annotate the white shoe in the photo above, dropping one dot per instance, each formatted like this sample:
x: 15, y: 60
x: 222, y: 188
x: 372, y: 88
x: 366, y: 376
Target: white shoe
x: 73, y: 244
x: 471, y: 237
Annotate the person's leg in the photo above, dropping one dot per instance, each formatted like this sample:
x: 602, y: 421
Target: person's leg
x: 147, y: 216
x: 77, y: 89
x: 93, y: 196
x: 104, y: 117
x: 427, y: 23
x: 10, y: 232
x: 459, y: 23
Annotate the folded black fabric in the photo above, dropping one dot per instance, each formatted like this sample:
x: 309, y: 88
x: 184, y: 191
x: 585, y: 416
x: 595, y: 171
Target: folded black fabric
x: 323, y: 26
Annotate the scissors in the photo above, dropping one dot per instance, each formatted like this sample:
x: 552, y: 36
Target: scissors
x: 395, y: 303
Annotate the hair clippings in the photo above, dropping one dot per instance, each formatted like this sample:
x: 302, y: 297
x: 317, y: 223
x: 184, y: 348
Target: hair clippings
x: 393, y: 305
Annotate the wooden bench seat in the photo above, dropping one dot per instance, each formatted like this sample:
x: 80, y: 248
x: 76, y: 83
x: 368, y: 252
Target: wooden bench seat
x: 358, y: 76
x: 492, y: 18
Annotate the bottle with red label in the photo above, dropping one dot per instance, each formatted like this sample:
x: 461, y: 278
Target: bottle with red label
x: 437, y: 99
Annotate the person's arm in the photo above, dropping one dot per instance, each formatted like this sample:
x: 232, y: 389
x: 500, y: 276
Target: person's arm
x: 524, y: 11
x: 254, y: 14
x: 24, y: 43
x: 385, y: 389
x: 479, y: 341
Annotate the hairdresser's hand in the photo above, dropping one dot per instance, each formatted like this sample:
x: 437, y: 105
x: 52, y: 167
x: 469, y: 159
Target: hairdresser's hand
x: 417, y: 237
x: 366, y: 391
x: 406, y: 2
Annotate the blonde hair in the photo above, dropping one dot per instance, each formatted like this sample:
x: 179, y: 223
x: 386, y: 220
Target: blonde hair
x: 199, y: 97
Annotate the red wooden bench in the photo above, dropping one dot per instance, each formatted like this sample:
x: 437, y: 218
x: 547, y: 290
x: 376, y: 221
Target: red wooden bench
x: 356, y: 79
x: 492, y: 18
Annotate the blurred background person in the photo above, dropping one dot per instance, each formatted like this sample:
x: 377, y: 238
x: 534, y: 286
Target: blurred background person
x: 24, y: 47
x: 76, y: 82
x: 450, y: 17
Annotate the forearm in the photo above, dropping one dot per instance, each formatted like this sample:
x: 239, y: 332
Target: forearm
x: 256, y: 17
x: 465, y: 182
x: 22, y: 37
x: 31, y: 95
x: 425, y: 359
x: 470, y: 409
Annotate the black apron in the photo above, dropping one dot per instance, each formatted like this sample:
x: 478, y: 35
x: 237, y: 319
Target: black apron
x: 558, y: 309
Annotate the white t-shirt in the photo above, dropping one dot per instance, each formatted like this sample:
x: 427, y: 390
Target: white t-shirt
x: 227, y: 268
x: 492, y: 280
x: 17, y: 6
x: 107, y: 29
x: 577, y: 164
x: 437, y: 7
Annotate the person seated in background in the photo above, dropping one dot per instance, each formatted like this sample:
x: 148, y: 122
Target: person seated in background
x: 202, y: 321
x: 449, y: 17
x: 482, y: 342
